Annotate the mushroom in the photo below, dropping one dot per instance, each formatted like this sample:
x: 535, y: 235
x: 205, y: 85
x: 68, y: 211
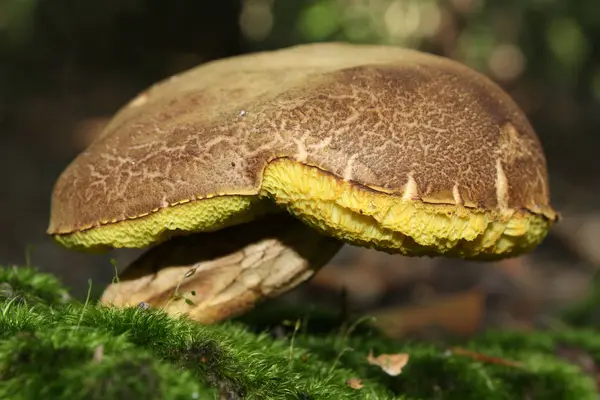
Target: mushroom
x: 246, y: 175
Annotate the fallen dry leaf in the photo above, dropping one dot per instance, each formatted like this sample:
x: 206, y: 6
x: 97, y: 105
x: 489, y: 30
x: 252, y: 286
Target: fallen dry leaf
x: 485, y: 358
x: 355, y: 383
x: 460, y: 314
x: 391, y: 364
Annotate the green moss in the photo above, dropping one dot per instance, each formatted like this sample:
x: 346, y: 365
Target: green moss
x: 52, y: 348
x: 27, y: 285
x: 55, y: 363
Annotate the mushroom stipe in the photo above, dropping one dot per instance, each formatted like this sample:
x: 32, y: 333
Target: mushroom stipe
x: 298, y: 151
x: 233, y: 268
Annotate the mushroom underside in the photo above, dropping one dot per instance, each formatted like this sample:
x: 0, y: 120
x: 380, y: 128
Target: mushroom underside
x: 349, y: 211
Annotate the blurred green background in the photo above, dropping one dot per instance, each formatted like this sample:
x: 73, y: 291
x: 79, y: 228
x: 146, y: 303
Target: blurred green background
x: 67, y: 65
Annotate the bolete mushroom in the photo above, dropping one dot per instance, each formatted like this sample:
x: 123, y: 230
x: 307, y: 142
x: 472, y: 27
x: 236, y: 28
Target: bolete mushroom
x: 248, y: 174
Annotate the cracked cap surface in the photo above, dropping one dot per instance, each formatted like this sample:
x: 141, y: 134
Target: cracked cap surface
x: 192, y: 152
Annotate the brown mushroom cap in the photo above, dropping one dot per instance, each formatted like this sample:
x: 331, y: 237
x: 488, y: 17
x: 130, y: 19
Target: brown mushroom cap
x: 379, y: 146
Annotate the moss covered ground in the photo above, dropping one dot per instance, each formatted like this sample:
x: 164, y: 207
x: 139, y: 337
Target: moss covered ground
x: 54, y: 347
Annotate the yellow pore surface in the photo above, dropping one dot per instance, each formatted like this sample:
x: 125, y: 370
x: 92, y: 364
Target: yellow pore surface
x: 353, y: 213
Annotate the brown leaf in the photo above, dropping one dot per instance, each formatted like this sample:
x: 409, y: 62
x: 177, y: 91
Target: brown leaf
x: 391, y: 364
x: 355, y: 383
x: 485, y: 358
x: 460, y: 314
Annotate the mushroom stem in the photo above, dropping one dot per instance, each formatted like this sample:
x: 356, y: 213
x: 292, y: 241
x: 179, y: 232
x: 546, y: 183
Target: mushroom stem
x: 216, y: 275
